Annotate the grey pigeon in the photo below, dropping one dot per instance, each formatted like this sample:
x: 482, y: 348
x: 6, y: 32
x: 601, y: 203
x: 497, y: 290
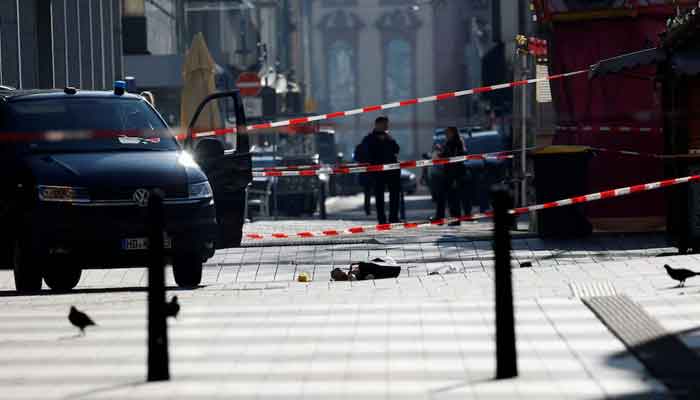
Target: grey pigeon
x: 79, y: 319
x: 680, y: 274
x: 172, y: 308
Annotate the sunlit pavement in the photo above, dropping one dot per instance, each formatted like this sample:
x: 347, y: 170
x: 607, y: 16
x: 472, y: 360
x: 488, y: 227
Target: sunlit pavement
x: 251, y: 331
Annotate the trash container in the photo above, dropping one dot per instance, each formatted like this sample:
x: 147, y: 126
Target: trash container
x: 561, y: 172
x: 683, y: 207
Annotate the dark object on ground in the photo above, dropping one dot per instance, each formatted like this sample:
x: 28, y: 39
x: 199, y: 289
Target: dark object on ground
x: 377, y: 269
x: 680, y: 274
x: 526, y: 264
x: 339, y: 275
x: 79, y: 319
x: 561, y: 172
x: 172, y: 308
x: 374, y: 269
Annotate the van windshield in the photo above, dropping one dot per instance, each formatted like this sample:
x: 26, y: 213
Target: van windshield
x: 117, y: 124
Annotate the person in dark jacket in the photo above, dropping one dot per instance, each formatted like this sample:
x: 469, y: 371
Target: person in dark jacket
x: 383, y: 149
x: 453, y: 179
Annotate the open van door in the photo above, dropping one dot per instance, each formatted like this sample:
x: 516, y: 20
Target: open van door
x: 229, y: 170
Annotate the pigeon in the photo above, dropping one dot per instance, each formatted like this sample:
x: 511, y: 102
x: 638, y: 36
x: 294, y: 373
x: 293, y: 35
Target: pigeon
x: 680, y: 274
x: 172, y: 308
x: 80, y: 320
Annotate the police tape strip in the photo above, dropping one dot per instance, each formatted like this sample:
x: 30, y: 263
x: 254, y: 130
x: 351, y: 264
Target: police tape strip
x: 310, y: 171
x: 608, y: 194
x: 608, y: 129
x: 54, y: 136
x: 396, y: 104
x: 343, y: 169
x: 410, y: 102
x: 310, y: 166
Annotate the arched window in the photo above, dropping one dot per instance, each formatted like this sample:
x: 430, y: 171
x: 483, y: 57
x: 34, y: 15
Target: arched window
x: 398, y: 85
x: 472, y: 59
x: 341, y: 75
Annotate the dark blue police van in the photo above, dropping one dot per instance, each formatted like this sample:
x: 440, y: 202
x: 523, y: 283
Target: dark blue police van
x: 78, y: 168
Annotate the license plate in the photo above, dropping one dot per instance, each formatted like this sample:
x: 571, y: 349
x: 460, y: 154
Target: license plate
x: 142, y: 243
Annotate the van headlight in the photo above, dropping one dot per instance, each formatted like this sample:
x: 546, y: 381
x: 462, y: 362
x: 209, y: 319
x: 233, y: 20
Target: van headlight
x: 64, y: 194
x: 201, y: 190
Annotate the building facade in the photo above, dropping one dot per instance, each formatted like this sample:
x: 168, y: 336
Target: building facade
x: 366, y: 52
x: 58, y: 43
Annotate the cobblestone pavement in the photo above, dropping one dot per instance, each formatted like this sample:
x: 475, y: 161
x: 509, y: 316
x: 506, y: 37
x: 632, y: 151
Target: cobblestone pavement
x: 252, y: 332
x: 464, y: 248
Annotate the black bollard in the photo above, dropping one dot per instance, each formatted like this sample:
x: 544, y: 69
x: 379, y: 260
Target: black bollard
x: 506, y: 353
x: 158, y: 360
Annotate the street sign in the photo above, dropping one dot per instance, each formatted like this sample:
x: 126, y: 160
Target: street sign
x: 249, y: 84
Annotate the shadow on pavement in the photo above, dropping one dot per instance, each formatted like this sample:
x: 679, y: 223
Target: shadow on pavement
x: 14, y: 293
x: 457, y: 386
x: 104, y: 389
x: 669, y: 360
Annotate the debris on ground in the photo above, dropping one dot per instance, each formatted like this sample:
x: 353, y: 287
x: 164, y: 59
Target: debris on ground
x: 378, y: 268
x: 444, y: 270
x: 303, y: 277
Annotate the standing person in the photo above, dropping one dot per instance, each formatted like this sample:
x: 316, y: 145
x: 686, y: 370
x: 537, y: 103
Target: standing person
x: 383, y: 149
x: 450, y: 189
x: 361, y: 156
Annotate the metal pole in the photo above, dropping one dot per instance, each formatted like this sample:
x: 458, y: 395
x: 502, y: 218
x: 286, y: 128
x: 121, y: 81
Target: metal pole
x: 523, y: 135
x: 506, y: 353
x: 276, y: 181
x: 158, y: 360
x: 322, y: 201
x: 402, y: 205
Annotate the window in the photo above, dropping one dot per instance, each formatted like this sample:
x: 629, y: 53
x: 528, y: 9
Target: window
x: 398, y: 85
x: 341, y: 75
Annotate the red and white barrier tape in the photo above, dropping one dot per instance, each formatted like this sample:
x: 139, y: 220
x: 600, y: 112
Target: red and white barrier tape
x: 80, y: 135
x: 608, y: 194
x: 316, y: 169
x: 609, y: 129
x: 310, y: 171
x: 310, y: 166
x: 410, y: 102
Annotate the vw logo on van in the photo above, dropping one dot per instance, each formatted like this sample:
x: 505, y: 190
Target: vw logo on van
x: 141, y: 197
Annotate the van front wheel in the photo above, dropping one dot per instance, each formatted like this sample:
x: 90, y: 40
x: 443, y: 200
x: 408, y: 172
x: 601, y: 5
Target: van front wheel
x: 27, y: 268
x: 187, y: 269
x: 61, y: 274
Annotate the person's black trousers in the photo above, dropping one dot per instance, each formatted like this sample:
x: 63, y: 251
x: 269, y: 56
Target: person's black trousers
x: 368, y: 189
x: 382, y: 181
x: 448, y: 192
x: 466, y: 195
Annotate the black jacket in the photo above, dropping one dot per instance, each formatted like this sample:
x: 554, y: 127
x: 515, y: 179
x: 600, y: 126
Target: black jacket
x: 380, y: 148
x: 454, y: 148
